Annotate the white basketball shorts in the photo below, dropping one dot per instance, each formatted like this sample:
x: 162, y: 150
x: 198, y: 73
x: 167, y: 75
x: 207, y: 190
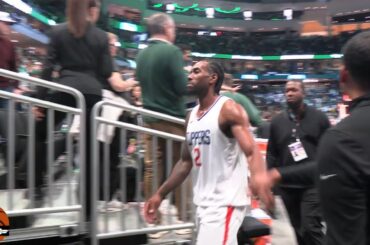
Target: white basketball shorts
x: 219, y: 225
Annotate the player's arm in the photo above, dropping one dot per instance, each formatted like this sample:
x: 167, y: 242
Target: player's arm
x: 178, y: 175
x: 234, y: 120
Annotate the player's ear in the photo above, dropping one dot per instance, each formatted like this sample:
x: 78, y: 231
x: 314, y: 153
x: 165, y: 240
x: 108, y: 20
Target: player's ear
x: 214, y: 77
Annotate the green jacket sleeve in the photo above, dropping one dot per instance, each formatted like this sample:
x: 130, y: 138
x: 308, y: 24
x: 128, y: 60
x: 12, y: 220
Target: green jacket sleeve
x: 176, y: 64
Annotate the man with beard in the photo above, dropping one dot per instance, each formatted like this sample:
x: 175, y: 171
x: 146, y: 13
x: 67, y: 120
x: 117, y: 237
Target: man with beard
x: 218, y: 141
x: 293, y: 141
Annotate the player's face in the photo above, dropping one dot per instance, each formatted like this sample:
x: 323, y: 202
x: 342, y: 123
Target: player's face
x: 199, y: 78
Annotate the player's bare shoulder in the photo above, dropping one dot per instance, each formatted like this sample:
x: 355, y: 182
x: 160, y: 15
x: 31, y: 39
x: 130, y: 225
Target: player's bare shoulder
x: 232, y: 114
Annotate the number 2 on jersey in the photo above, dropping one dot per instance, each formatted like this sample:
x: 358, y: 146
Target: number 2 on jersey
x: 197, y: 157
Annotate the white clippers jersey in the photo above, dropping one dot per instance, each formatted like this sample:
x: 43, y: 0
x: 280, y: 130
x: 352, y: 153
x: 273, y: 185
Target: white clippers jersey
x: 219, y: 165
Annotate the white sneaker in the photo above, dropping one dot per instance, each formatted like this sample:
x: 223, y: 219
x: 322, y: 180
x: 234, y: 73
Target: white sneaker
x: 157, y: 235
x: 185, y: 231
x: 113, y: 206
x: 167, y: 209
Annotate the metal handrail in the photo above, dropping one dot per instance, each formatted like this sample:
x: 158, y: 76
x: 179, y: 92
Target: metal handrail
x: 141, y: 129
x: 38, y: 102
x: 80, y: 104
x: 46, y: 84
x: 96, y: 119
x: 144, y: 112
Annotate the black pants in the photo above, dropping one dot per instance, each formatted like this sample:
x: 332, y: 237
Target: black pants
x: 305, y: 215
x: 114, y: 170
x: 41, y: 137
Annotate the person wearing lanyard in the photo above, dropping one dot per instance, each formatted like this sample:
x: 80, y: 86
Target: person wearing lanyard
x: 293, y: 141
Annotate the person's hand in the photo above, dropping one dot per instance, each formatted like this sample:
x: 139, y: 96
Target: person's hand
x: 236, y: 88
x: 151, y: 208
x: 38, y: 113
x: 132, y: 82
x: 261, y: 186
x: 274, y: 176
x: 18, y: 91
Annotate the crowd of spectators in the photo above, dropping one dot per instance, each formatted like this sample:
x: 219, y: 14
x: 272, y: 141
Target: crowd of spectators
x: 279, y: 43
x: 327, y: 66
x: 269, y: 96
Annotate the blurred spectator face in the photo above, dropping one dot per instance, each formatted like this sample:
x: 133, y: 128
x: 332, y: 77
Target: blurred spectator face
x: 171, y: 31
x: 294, y: 93
x: 136, y: 92
x: 186, y: 55
x: 112, y: 46
x: 4, y: 29
x: 94, y: 12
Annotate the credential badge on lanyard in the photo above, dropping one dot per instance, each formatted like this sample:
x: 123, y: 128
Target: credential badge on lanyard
x: 296, y: 149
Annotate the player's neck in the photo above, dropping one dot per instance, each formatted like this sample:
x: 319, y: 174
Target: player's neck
x: 207, y: 101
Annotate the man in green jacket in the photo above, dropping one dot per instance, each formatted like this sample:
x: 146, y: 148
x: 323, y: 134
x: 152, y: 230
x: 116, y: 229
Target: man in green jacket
x: 163, y: 82
x: 244, y: 101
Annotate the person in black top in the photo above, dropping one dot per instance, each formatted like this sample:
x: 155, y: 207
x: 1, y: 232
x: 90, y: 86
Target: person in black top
x: 344, y: 154
x: 114, y: 90
x: 81, y: 51
x: 293, y: 141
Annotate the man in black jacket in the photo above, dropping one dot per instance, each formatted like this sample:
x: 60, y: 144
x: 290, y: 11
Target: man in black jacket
x: 344, y: 154
x: 293, y: 141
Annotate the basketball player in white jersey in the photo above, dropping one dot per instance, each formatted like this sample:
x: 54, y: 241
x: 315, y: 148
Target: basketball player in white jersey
x: 217, y: 141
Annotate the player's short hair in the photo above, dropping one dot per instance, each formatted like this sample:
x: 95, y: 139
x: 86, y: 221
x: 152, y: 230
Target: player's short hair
x: 214, y: 67
x: 357, y: 59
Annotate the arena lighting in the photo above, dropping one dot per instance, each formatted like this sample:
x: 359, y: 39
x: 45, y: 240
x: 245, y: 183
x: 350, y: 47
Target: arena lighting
x: 288, y: 13
x: 18, y: 4
x: 271, y: 57
x: 246, y: 57
x: 209, y: 33
x: 210, y: 12
x: 25, y: 8
x: 310, y: 80
x: 297, y: 57
x: 42, y: 18
x: 170, y: 8
x: 158, y: 5
x: 232, y: 11
x: 334, y: 56
x: 247, y: 15
x: 142, y: 46
x: 6, y: 16
x: 209, y: 55
x: 128, y: 27
x: 249, y: 76
x: 297, y: 76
